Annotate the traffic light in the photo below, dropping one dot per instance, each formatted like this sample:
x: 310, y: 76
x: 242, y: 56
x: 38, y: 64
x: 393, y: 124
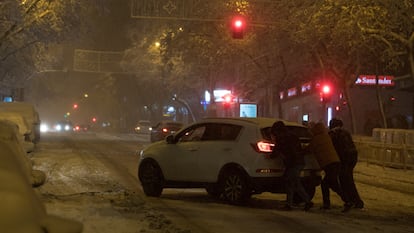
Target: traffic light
x: 325, y: 93
x: 228, y: 99
x: 238, y: 25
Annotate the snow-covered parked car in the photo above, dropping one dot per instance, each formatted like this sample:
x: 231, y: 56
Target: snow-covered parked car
x: 21, y: 209
x: 10, y: 139
x: 29, y: 112
x: 24, y: 130
x: 229, y: 157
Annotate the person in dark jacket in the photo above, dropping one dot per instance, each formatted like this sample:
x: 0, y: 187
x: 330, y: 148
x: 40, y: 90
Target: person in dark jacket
x: 348, y: 154
x: 322, y: 147
x: 289, y: 147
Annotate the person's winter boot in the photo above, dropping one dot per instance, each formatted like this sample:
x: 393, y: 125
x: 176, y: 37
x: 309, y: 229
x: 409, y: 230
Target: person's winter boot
x: 287, y: 207
x: 359, y: 204
x: 347, y: 207
x: 326, y: 206
x: 308, y: 206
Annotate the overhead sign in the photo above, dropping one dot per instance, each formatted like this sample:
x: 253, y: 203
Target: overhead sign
x: 97, y: 61
x: 173, y: 9
x: 198, y: 10
x: 369, y: 80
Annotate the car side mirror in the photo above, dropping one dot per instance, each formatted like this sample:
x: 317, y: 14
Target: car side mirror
x: 170, y: 139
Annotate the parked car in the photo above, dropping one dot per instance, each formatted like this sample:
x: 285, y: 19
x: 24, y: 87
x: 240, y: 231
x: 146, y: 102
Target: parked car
x: 229, y: 157
x: 163, y: 129
x: 30, y: 114
x: 22, y: 210
x: 143, y: 127
x: 24, y: 129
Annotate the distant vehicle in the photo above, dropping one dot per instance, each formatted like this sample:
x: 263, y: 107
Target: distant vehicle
x: 81, y: 128
x: 163, y: 129
x: 143, y: 127
x: 229, y: 157
x: 63, y: 126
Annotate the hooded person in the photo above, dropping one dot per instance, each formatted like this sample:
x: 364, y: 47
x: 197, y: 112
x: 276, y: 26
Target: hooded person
x: 348, y: 154
x: 289, y: 147
x: 322, y: 147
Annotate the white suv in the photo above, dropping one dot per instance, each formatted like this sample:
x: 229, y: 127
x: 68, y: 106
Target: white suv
x: 227, y: 156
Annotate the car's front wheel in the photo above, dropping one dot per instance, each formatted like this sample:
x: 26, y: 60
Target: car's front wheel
x: 151, y: 178
x: 234, y: 187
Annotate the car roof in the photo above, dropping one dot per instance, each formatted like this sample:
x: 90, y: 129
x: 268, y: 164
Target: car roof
x: 262, y: 122
x: 25, y: 109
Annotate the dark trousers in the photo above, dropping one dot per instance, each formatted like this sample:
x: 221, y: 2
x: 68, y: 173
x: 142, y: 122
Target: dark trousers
x: 331, y: 181
x: 346, y: 177
x: 294, y: 185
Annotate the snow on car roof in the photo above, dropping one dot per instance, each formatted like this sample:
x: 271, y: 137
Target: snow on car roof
x: 25, y: 109
x: 18, y: 119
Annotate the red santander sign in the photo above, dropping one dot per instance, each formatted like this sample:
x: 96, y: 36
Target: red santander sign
x: 369, y: 80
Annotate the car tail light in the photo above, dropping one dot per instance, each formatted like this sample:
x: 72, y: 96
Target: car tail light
x: 165, y: 130
x: 264, y: 146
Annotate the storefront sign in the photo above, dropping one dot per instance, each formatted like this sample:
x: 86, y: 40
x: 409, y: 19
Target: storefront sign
x: 369, y: 80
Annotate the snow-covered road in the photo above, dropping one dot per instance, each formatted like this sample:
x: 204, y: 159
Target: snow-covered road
x: 92, y: 178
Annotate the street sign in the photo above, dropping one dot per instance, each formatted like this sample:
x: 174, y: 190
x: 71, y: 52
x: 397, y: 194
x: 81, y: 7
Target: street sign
x: 173, y: 9
x: 200, y: 10
x: 97, y: 61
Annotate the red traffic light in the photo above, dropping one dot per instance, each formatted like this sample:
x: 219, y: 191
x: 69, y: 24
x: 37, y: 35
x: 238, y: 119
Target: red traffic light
x: 326, y: 89
x: 325, y: 93
x: 228, y: 99
x: 238, y: 25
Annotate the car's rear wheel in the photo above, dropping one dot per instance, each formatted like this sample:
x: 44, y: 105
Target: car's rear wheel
x: 234, y: 187
x: 151, y: 178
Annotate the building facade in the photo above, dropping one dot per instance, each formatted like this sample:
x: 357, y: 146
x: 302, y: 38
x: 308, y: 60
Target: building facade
x: 368, y: 98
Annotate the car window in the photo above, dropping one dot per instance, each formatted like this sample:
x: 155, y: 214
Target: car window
x: 229, y: 132
x: 218, y: 131
x: 192, y: 134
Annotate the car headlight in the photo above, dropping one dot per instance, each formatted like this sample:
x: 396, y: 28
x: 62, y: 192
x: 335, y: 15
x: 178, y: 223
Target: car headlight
x: 44, y: 128
x: 58, y: 127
